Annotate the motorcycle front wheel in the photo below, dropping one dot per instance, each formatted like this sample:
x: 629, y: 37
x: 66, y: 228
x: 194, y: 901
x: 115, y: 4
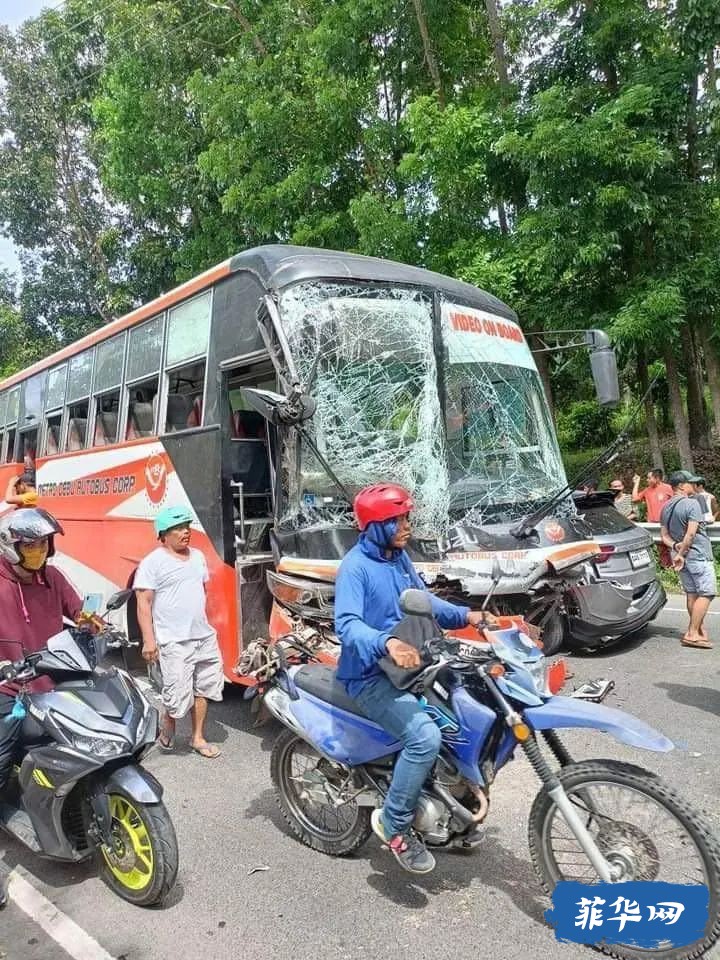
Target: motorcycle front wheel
x: 644, y: 829
x: 142, y: 866
x: 307, y: 787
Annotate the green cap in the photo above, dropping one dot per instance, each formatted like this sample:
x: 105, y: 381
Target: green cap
x: 683, y: 476
x: 170, y: 517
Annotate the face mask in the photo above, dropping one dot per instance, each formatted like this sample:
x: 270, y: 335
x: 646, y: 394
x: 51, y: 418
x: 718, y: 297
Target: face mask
x: 33, y: 558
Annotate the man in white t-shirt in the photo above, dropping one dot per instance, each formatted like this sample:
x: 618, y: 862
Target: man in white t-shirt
x: 171, y: 605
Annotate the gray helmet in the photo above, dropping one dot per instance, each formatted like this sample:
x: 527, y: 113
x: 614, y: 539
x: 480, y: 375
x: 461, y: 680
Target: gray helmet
x: 28, y: 523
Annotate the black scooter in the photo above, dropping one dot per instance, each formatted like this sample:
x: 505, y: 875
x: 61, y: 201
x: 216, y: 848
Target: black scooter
x: 80, y: 790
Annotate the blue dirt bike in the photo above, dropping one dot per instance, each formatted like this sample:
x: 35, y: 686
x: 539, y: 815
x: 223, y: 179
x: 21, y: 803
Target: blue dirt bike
x: 594, y: 820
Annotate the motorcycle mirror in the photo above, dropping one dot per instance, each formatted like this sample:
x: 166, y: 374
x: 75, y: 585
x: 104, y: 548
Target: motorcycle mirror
x: 118, y: 599
x: 416, y: 603
x: 497, y: 571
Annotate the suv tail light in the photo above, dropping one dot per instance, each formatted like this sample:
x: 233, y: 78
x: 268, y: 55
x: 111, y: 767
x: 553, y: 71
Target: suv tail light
x: 606, y: 551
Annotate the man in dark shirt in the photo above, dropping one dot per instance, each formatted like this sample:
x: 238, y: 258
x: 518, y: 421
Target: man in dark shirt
x: 683, y: 530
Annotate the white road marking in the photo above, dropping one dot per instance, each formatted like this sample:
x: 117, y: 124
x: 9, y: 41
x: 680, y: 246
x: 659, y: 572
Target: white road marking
x: 64, y: 931
x: 711, y: 613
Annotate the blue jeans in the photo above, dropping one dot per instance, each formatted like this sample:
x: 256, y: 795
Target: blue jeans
x: 400, y: 714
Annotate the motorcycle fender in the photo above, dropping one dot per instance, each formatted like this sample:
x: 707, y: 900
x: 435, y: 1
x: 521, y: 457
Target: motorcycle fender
x: 136, y: 782
x: 568, y: 712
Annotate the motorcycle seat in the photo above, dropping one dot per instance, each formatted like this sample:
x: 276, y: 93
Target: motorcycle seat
x: 321, y: 681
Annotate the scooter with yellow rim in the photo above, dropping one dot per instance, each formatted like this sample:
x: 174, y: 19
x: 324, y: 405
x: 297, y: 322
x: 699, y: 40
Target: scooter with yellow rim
x: 81, y: 790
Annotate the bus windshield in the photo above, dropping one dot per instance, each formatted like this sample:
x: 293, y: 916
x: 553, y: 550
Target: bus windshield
x: 384, y: 385
x: 501, y: 446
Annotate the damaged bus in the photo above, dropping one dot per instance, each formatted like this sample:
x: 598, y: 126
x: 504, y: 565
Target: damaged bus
x: 265, y: 392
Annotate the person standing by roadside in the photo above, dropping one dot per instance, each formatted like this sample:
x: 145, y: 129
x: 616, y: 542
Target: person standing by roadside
x: 655, y: 495
x: 683, y: 530
x: 622, y: 501
x: 707, y: 501
x: 171, y: 605
x: 21, y: 490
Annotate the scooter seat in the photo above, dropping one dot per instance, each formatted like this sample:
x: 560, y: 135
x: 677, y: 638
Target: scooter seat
x: 321, y: 681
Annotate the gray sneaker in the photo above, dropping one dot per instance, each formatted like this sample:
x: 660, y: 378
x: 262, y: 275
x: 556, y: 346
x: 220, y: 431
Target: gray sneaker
x: 407, y: 848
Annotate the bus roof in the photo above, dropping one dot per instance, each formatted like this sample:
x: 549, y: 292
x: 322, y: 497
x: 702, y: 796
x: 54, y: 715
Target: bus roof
x: 280, y: 265
x: 277, y: 266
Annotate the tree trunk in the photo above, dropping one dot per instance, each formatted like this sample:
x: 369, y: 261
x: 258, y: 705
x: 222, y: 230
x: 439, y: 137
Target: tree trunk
x: 712, y: 366
x: 430, y: 60
x: 678, y: 413
x: 498, y: 41
x: 543, y: 365
x: 697, y: 414
x: 656, y: 455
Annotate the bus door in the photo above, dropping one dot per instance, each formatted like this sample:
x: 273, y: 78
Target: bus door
x: 249, y: 462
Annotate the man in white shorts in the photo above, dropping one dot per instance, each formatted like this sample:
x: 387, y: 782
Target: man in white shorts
x: 171, y: 604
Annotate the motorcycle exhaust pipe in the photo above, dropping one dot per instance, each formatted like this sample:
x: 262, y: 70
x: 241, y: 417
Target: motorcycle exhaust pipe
x: 460, y: 812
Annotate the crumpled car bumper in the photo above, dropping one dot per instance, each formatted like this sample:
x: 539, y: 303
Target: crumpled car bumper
x: 606, y: 609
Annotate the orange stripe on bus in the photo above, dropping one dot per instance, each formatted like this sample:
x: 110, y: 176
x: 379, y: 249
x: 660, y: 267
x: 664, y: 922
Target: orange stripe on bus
x: 309, y: 568
x: 122, y: 323
x: 587, y: 546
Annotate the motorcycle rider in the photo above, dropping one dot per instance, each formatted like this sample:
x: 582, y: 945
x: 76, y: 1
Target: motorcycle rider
x: 368, y: 620
x: 34, y: 598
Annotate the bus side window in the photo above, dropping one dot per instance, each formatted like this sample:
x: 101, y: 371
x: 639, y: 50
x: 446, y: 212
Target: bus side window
x: 77, y: 425
x: 29, y: 449
x: 106, y: 419
x: 10, y: 447
x: 52, y: 434
x: 142, y: 409
x: 184, y: 400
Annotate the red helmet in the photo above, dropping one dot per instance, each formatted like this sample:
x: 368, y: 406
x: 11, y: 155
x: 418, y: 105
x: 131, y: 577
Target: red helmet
x: 381, y: 501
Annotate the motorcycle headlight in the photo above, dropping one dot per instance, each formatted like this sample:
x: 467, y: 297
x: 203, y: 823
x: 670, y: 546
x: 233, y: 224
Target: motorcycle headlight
x: 98, y: 746
x: 538, y: 672
x: 80, y: 738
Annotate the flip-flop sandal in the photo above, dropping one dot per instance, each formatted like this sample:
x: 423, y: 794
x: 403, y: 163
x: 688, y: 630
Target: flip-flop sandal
x: 210, y: 752
x: 166, y: 744
x: 702, y: 645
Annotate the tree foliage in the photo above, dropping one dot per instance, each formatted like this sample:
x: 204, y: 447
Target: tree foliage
x: 563, y: 155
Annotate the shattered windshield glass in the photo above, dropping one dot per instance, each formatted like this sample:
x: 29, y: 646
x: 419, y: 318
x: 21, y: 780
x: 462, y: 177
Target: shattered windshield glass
x: 503, y: 457
x: 378, y: 411
x: 470, y: 436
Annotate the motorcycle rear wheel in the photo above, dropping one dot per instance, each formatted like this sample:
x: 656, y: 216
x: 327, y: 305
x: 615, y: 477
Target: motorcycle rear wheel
x: 142, y: 868
x: 623, y: 841
x: 336, y: 831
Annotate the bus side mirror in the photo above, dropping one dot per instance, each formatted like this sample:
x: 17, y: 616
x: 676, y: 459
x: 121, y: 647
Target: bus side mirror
x: 604, y: 368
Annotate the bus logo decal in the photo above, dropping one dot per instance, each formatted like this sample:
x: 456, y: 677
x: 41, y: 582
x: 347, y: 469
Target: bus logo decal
x: 155, y: 478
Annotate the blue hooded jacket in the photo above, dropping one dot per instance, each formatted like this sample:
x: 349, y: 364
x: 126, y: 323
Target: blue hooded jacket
x: 367, y: 593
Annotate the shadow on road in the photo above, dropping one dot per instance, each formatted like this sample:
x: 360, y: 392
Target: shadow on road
x: 492, y: 864
x: 702, y: 698
x: 615, y: 648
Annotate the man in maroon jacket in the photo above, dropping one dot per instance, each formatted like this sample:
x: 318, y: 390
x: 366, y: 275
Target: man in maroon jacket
x: 34, y: 598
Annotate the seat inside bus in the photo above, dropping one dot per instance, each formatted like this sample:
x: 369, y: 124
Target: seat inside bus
x: 179, y: 412
x: 76, y: 433
x: 141, y: 418
x: 52, y: 439
x: 106, y: 424
x: 247, y: 425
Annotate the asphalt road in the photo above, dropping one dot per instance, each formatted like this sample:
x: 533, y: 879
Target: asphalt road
x: 307, y: 905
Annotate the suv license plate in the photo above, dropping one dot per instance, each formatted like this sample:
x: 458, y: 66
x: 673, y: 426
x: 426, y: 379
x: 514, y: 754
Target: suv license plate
x: 640, y: 558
